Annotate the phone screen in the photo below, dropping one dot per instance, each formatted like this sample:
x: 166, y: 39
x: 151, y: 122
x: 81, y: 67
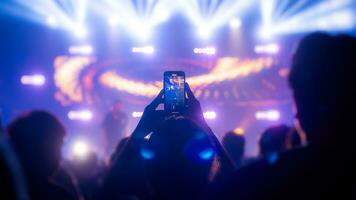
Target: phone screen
x: 174, y: 91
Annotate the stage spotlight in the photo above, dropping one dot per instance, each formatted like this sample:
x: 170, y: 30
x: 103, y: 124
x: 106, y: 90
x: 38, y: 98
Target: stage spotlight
x: 147, y: 154
x: 268, y: 115
x: 206, y: 154
x: 207, y: 51
x: 235, y: 23
x: 80, y: 32
x: 113, y: 21
x: 210, y: 115
x: 143, y: 33
x: 266, y: 33
x: 36, y: 80
x: 267, y: 48
x: 205, y: 32
x: 239, y: 131
x: 81, y: 49
x: 160, y: 14
x: 80, y: 149
x: 81, y: 115
x: 144, y: 50
x: 51, y: 22
x: 136, y: 114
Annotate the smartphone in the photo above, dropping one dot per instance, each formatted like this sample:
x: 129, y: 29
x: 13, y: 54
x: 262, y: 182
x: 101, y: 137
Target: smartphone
x: 174, y: 91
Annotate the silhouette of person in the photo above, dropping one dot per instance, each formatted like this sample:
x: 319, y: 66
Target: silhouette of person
x: 114, y: 126
x: 179, y: 160
x: 37, y: 138
x: 234, y: 144
x: 167, y: 156
x: 278, y: 139
x: 323, y: 82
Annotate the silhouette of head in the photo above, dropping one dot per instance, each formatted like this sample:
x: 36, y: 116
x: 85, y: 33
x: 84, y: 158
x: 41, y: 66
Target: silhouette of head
x: 323, y: 82
x: 277, y: 139
x: 234, y: 144
x: 37, y: 138
x: 179, y: 157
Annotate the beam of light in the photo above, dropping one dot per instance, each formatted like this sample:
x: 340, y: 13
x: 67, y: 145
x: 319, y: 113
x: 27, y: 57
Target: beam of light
x: 81, y: 115
x: 113, y: 21
x: 235, y: 23
x: 267, y: 8
x: 55, y: 14
x: 296, y: 6
x: 81, y: 49
x: 52, y: 22
x: 329, y: 15
x: 282, y: 6
x: 205, y: 31
x: 36, y: 80
x: 207, y: 16
x: 80, y: 32
x: 206, y: 50
x: 209, y: 115
x: 271, y: 48
x: 139, y: 18
x: 229, y: 9
x: 268, y: 115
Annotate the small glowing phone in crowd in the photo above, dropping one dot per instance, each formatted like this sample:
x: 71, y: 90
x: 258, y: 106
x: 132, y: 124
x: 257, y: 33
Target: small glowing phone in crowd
x: 174, y: 91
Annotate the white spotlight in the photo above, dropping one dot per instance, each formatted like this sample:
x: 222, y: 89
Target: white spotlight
x: 113, y: 21
x: 137, y: 114
x: 144, y: 50
x: 143, y: 33
x: 266, y: 33
x: 81, y: 49
x: 36, y: 80
x: 267, y: 48
x: 80, y: 32
x: 161, y: 14
x: 268, y: 115
x: 209, y: 115
x: 205, y: 32
x: 51, y: 21
x: 207, y: 51
x: 235, y: 23
x: 81, y: 115
x: 80, y: 149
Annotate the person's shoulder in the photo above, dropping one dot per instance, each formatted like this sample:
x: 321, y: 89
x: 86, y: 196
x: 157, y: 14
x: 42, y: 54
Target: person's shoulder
x: 260, y: 177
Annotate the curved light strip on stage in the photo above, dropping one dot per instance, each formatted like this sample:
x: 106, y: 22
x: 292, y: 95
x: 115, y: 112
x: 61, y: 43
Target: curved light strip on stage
x: 71, y: 85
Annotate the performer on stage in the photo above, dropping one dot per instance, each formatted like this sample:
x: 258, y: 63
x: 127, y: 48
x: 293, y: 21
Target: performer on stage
x: 114, y: 126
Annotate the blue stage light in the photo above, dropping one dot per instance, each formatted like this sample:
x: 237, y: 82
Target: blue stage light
x: 147, y: 154
x: 206, y: 154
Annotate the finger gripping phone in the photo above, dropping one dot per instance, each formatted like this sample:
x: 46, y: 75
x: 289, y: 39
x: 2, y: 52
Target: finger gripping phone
x: 174, y: 91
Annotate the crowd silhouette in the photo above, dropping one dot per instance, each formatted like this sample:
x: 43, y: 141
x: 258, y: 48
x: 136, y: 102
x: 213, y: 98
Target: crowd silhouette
x: 177, y: 156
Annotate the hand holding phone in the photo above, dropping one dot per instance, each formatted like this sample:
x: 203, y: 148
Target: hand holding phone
x: 174, y: 91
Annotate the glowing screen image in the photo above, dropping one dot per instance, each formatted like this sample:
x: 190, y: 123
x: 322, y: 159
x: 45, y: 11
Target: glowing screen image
x: 174, y: 91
